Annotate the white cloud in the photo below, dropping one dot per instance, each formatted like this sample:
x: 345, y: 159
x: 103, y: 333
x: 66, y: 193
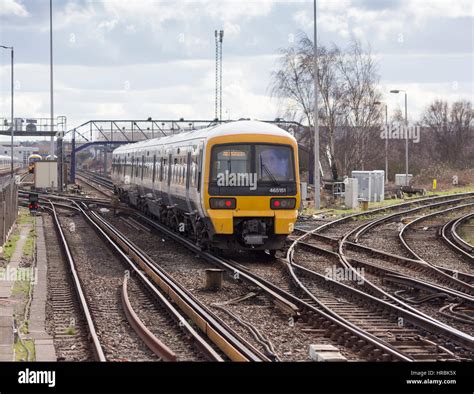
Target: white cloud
x: 347, y: 18
x: 13, y: 7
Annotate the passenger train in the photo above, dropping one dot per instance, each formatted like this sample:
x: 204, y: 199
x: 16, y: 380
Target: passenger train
x: 32, y: 159
x: 231, y: 186
x: 5, y: 164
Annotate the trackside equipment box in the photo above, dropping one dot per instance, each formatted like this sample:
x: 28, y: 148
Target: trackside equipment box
x: 46, y: 174
x: 371, y: 185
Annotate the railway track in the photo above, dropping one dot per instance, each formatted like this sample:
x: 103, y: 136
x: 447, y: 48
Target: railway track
x: 65, y: 321
x: 310, y: 260
x: 449, y: 233
x: 334, y: 251
x: 437, y: 255
x: 337, y: 228
x: 221, y: 335
x: 428, y: 345
x: 100, y: 184
x: 420, y: 341
x: 91, y: 327
x: 379, y: 347
x: 187, y: 344
x: 354, y: 252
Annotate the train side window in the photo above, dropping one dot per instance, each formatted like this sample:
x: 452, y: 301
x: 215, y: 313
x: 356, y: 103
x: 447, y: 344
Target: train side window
x: 162, y: 164
x: 199, y: 160
x: 137, y: 166
x: 169, y: 169
x: 154, y: 169
x: 188, y: 170
x: 149, y: 169
x: 175, y: 170
x: 194, y: 170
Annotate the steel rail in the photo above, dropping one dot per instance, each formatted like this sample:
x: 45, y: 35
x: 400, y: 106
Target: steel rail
x: 217, y: 331
x: 296, y: 304
x: 401, y: 235
x: 153, y: 343
x: 157, y: 347
x: 97, y: 347
x: 427, y: 322
x: 458, y: 244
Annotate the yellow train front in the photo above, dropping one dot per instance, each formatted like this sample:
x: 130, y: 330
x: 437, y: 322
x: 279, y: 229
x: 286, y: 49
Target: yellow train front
x: 32, y: 159
x: 233, y: 186
x: 251, y: 194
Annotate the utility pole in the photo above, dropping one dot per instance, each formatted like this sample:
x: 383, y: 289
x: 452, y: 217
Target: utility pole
x: 51, y: 73
x: 12, y: 105
x: 396, y: 91
x: 317, y: 191
x: 219, y: 37
x: 386, y: 138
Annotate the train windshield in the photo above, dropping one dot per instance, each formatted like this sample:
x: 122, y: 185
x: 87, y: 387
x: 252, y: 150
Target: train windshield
x: 271, y: 163
x: 274, y: 163
x: 231, y: 159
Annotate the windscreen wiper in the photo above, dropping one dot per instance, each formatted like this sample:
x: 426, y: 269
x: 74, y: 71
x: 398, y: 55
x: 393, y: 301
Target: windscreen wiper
x: 270, y: 175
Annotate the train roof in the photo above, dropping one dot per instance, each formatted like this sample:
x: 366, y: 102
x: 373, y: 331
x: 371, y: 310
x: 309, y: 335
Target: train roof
x: 5, y: 157
x: 34, y: 155
x: 230, y: 128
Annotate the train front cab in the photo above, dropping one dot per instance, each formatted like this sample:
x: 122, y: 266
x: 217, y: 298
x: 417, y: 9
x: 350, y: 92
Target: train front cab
x: 260, y: 214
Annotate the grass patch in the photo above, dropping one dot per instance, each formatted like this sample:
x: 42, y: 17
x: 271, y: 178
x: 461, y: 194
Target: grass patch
x: 454, y: 190
x: 25, y: 217
x: 21, y: 287
x: 10, y: 245
x: 29, y: 247
x: 20, y: 351
x: 25, y: 329
x: 71, y: 331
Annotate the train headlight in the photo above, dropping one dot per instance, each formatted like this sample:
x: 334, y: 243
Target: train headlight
x: 283, y: 203
x: 222, y: 203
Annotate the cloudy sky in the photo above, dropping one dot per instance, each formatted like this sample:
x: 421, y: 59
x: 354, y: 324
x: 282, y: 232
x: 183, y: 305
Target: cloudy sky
x: 131, y: 59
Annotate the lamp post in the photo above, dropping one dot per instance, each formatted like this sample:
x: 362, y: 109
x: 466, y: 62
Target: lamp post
x: 12, y: 108
x: 396, y: 91
x: 317, y: 196
x: 386, y: 138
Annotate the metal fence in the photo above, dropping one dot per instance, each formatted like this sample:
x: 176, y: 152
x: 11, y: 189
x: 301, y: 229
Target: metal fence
x: 8, y: 208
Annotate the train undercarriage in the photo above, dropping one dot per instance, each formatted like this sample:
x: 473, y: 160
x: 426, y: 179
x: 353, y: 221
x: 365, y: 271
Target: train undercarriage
x: 250, y: 233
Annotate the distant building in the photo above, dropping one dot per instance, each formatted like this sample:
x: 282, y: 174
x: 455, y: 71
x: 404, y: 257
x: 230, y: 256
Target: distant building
x: 21, y: 152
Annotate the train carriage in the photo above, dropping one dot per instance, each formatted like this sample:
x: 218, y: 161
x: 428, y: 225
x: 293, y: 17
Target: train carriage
x: 5, y: 164
x: 32, y: 159
x: 231, y: 186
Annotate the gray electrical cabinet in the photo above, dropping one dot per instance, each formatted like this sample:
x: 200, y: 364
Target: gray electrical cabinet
x: 400, y: 179
x: 371, y: 185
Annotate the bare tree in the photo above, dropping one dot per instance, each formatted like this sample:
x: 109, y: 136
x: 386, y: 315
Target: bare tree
x: 347, y: 82
x: 452, y: 131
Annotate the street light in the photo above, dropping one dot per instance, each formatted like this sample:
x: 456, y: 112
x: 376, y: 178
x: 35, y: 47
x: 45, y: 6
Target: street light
x: 396, y: 91
x: 13, y: 121
x: 386, y: 138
